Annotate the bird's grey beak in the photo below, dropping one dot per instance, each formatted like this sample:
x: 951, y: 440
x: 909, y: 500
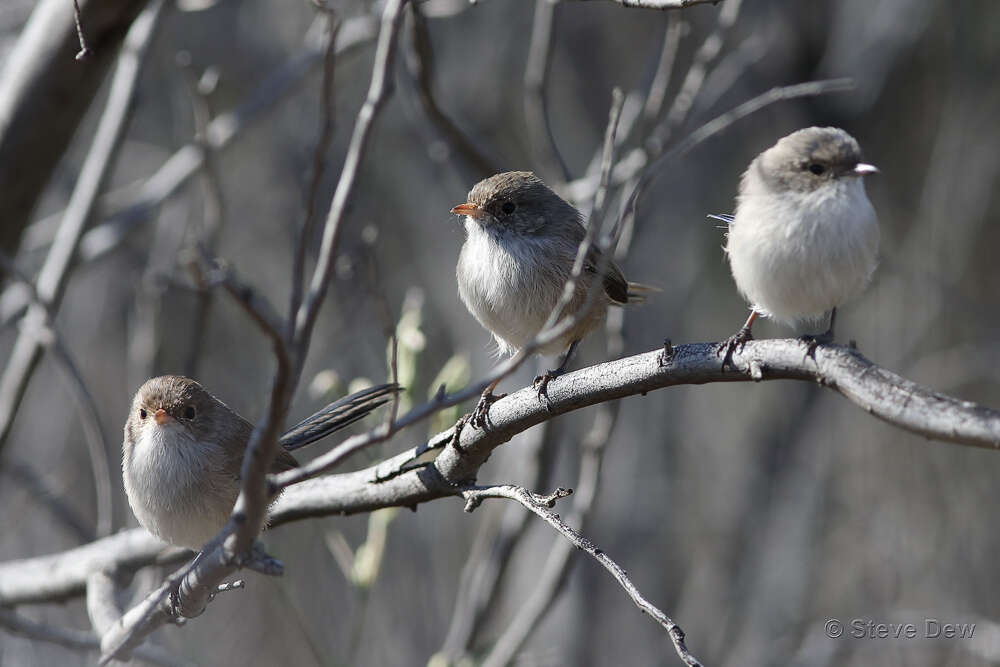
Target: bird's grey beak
x: 162, y: 417
x: 862, y: 169
x: 468, y: 209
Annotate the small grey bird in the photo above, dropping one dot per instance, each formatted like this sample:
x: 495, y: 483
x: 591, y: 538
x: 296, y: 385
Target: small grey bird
x: 521, y: 242
x: 804, y: 238
x: 183, y: 450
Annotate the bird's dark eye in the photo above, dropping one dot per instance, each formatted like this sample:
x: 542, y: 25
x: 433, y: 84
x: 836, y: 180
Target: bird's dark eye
x: 508, y: 207
x: 189, y: 412
x: 817, y: 168
x: 142, y: 413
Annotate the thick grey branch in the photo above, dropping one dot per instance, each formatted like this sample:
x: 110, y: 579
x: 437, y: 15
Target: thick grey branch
x: 391, y: 483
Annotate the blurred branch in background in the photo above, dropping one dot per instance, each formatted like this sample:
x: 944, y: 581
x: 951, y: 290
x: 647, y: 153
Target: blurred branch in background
x: 125, y: 207
x: 40, y: 80
x: 536, y: 116
x: 420, y: 67
x: 77, y: 639
x: 55, y: 272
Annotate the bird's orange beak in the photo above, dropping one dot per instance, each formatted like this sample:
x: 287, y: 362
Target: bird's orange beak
x: 162, y: 417
x: 467, y: 209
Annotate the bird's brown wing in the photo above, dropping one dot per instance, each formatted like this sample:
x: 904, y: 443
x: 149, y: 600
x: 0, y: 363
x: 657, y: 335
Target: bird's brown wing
x: 282, y: 460
x: 614, y: 283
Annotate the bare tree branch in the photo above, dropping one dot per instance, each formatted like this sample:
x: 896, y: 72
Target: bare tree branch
x: 640, y: 160
x: 496, y: 539
x: 874, y: 389
x: 318, y: 167
x: 378, y: 92
x: 556, y: 569
x: 541, y: 505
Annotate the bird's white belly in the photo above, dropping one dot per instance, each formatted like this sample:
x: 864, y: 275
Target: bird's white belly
x: 169, y: 490
x: 796, y: 257
x: 503, y: 297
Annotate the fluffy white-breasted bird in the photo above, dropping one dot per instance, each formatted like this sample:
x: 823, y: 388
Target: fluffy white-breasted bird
x: 804, y: 238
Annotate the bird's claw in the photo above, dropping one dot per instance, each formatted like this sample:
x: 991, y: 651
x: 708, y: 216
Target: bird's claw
x: 813, y: 341
x: 666, y: 354
x: 480, y: 415
x: 740, y: 339
x: 541, y: 385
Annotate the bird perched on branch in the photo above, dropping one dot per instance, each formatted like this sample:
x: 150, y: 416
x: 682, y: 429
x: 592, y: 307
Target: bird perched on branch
x: 521, y: 242
x: 183, y: 452
x: 804, y: 238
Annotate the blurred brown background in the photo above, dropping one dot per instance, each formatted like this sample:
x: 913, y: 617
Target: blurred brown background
x: 749, y: 513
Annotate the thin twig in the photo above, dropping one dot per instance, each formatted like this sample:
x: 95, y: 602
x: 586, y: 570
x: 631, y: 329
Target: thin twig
x: 540, y: 505
x: 78, y: 20
x: 496, y: 539
x: 213, y: 212
x: 318, y: 168
x: 698, y: 72
x: 664, y: 68
x: 378, y: 92
x: 639, y: 160
x: 723, y: 121
x: 254, y: 304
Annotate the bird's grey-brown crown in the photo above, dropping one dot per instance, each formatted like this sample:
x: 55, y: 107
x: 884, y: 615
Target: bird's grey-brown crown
x: 806, y: 159
x: 180, y: 397
x: 517, y: 199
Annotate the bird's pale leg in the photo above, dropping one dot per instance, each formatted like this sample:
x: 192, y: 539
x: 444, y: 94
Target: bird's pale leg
x: 814, y: 341
x: 541, y: 382
x: 482, y: 410
x: 739, y: 338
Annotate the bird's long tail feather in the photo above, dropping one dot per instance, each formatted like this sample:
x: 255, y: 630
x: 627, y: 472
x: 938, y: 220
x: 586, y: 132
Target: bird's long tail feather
x: 638, y: 292
x: 337, y: 415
